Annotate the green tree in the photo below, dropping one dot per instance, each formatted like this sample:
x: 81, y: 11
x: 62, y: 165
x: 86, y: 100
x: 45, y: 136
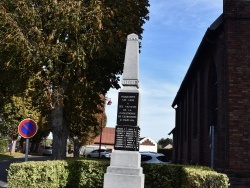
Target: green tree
x: 163, y: 142
x: 69, y: 53
x: 16, y: 109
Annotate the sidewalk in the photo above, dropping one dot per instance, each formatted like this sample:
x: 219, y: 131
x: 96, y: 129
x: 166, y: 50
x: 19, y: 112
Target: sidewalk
x: 3, y: 184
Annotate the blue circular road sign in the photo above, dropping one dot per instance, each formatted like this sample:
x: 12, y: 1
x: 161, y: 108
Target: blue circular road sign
x: 27, y: 128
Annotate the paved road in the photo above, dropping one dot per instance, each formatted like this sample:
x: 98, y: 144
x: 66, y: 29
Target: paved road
x: 5, y: 163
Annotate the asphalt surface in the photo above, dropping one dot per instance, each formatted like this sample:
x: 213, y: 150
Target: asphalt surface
x: 5, y: 164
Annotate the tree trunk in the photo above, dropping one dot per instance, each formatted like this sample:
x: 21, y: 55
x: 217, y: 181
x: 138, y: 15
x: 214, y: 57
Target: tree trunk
x: 13, y: 146
x: 76, y: 147
x: 32, y: 146
x: 36, y: 147
x: 60, y: 133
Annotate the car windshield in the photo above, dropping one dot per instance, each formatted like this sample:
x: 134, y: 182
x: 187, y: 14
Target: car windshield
x: 145, y: 158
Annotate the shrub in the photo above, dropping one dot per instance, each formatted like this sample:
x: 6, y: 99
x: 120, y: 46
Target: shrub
x: 194, y: 177
x: 54, y: 174
x: 86, y: 173
x: 41, y: 174
x: 161, y: 176
x: 90, y: 173
x: 3, y: 146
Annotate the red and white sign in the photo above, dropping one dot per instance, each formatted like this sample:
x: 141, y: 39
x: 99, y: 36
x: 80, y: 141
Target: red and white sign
x: 27, y: 128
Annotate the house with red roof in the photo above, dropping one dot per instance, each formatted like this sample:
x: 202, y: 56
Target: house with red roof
x: 107, y: 138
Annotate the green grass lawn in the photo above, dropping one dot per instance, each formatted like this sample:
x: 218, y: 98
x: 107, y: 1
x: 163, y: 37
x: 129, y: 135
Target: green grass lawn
x: 7, y: 155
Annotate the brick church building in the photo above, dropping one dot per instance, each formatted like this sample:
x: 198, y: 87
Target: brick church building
x: 215, y: 93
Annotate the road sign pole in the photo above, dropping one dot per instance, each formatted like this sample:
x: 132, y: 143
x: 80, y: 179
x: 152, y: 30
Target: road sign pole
x: 27, y: 149
x: 27, y: 128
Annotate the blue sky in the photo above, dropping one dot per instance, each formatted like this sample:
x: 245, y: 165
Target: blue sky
x: 170, y: 40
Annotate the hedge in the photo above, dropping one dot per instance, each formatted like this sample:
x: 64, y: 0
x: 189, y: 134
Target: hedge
x: 202, y: 177
x: 84, y: 173
x: 40, y: 174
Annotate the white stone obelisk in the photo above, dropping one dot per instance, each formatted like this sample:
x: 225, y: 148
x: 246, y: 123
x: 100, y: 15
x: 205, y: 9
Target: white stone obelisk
x: 125, y: 169
x: 130, y: 74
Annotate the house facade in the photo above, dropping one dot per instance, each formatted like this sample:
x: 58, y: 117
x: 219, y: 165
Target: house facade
x: 215, y: 93
x: 147, y: 144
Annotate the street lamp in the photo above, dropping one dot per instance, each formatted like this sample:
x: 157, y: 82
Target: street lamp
x: 100, y: 143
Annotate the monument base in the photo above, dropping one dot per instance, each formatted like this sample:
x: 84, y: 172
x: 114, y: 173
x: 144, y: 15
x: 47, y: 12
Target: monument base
x: 125, y: 170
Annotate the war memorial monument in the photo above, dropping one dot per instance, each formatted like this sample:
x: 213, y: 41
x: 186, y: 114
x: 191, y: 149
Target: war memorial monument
x: 125, y: 169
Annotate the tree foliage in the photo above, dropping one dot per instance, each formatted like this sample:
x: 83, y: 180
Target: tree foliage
x: 15, y: 110
x: 66, y: 54
x: 163, y: 142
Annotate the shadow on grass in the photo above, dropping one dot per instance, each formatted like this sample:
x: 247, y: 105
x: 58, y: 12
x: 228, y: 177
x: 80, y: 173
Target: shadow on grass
x: 7, y: 155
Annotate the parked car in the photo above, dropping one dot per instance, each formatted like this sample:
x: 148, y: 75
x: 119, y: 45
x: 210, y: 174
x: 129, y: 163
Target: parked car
x: 103, y: 153
x: 152, y: 157
x: 85, y: 150
x: 47, y: 150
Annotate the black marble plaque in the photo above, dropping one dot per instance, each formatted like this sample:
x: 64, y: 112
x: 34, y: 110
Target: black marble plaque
x: 127, y: 111
x: 127, y: 138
